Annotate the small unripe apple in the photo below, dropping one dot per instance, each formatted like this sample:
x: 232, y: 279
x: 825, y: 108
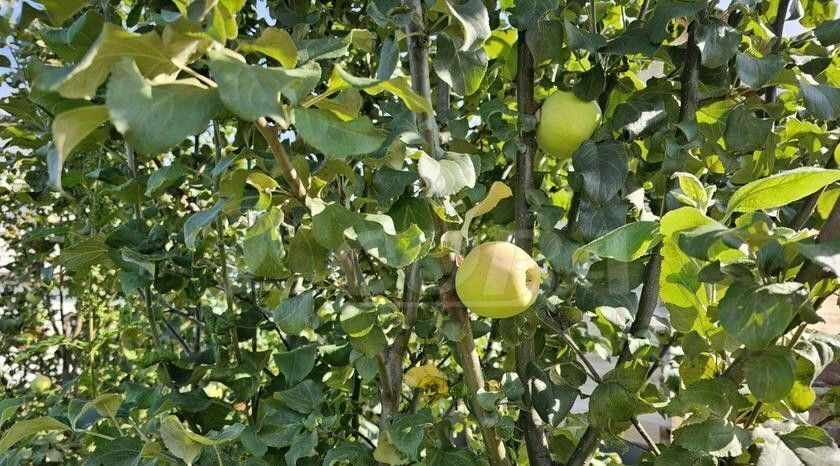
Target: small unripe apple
x: 498, y: 279
x: 40, y: 384
x: 565, y: 122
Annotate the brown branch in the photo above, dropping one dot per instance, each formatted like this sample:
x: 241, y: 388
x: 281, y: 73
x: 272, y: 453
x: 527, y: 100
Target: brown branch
x: 272, y: 137
x: 536, y: 442
x: 777, y: 29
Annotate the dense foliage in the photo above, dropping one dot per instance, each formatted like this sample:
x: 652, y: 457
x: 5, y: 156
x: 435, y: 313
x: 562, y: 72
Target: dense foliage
x: 234, y: 227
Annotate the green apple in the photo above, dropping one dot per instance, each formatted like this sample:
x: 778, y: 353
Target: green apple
x: 565, y: 122
x: 498, y: 279
x: 40, y: 384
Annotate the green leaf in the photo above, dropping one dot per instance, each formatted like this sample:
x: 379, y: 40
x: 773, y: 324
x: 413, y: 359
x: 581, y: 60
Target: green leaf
x: 771, y: 373
x: 826, y: 255
x: 83, y: 255
x: 714, y: 436
x: 60, y: 11
x: 350, y: 453
x: 757, y: 72
x: 755, y: 316
x: 780, y: 189
x: 263, y: 246
x: 822, y: 100
x: 334, y: 137
x: 305, y: 255
x: 717, y: 42
x: 451, y: 457
x: 551, y: 400
x: 252, y: 91
x: 199, y: 221
x: 164, y: 177
x: 72, y: 42
x: 693, y: 189
x: 69, y: 129
x: 744, y: 131
x: 122, y: 451
x: 305, y: 397
x: 294, y: 315
x: 358, y: 320
x: 582, y: 40
x: 462, y: 70
x: 639, y: 115
x: 625, y: 244
x: 526, y: 13
x: 113, y: 46
x: 155, y: 117
x: 667, y: 10
x: 828, y: 32
x: 448, y: 175
x: 603, y: 167
x: 22, y: 429
x: 474, y: 20
x: 8, y: 407
x: 107, y: 404
x: 679, y: 285
x: 303, y: 446
x: 275, y: 43
x: 177, y: 441
x: 596, y: 220
x: 296, y: 364
x: 378, y: 236
x: 406, y: 431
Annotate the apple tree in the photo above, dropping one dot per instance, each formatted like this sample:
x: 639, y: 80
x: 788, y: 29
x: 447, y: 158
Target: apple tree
x: 418, y: 232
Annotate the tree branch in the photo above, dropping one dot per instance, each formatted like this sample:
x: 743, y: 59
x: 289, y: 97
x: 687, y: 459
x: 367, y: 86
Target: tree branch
x: 535, y: 438
x: 272, y: 137
x: 777, y: 29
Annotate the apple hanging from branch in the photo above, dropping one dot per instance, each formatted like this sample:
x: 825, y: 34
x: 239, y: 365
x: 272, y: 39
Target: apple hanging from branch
x: 565, y: 122
x: 498, y: 279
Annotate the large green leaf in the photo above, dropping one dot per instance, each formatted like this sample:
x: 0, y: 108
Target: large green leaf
x: 462, y: 70
x: 822, y: 100
x: 71, y: 43
x: 770, y: 373
x: 303, y: 446
x: 252, y: 91
x: 294, y: 315
x: 757, y: 72
x: 275, y: 43
x: 22, y: 429
x: 155, y: 117
x: 122, y: 451
x: 81, y: 256
x: 296, y: 364
x: 60, y: 11
x: 667, y: 10
x: 334, y: 137
x: 527, y: 13
x: 263, y: 246
x: 448, y: 175
x: 717, y: 42
x: 744, y: 131
x: 714, y: 436
x: 780, y: 189
x: 406, y: 431
x: 69, y: 129
x: 474, y: 20
x: 756, y: 316
x: 625, y: 244
x: 603, y: 167
x: 200, y: 220
x: 113, y: 45
x: 305, y: 397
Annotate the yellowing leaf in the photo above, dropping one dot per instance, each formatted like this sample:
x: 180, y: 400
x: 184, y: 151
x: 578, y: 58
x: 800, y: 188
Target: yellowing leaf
x: 498, y: 191
x: 430, y: 380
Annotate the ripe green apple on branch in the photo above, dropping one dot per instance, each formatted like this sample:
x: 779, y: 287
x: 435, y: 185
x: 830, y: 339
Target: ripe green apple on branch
x: 565, y: 122
x: 498, y: 280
